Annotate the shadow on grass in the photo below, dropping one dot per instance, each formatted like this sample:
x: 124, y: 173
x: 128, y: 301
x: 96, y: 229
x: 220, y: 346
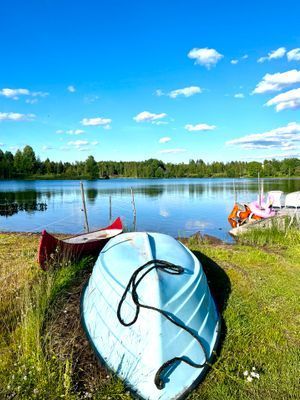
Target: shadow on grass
x: 220, y: 287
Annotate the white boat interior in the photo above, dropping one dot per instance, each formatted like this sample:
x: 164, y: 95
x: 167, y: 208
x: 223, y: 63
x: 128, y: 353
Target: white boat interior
x: 92, y: 236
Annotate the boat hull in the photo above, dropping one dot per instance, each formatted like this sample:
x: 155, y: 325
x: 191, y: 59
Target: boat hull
x: 135, y: 353
x: 76, y: 247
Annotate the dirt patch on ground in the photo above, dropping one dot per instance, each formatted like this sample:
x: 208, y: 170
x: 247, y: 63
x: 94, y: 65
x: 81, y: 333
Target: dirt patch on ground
x: 199, y: 238
x: 68, y: 338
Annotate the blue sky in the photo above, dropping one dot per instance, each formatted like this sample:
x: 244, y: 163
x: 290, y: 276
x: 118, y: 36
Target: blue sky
x: 173, y: 80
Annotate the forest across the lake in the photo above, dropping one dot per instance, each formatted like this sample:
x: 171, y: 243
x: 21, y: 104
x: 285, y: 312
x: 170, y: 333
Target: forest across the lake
x: 24, y: 164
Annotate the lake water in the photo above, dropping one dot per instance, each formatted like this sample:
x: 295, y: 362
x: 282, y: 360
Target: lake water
x: 178, y: 207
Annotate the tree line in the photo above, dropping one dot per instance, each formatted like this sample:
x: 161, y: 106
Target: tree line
x: 25, y: 164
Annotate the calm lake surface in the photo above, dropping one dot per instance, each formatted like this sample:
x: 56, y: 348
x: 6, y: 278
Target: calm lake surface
x: 178, y: 207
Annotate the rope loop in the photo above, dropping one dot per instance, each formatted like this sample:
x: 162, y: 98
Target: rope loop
x: 132, y: 286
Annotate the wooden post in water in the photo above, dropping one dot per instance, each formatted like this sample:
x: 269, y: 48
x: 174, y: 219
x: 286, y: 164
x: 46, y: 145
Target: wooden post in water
x: 110, y: 211
x: 133, y: 208
x: 86, y: 227
x: 259, y: 188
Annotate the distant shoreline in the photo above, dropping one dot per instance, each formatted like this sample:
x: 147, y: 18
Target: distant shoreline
x: 84, y: 178
x: 27, y: 165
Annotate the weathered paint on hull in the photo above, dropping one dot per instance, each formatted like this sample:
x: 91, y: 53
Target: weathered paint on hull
x: 79, y: 248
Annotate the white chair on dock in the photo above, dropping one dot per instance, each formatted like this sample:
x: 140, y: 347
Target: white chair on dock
x: 292, y: 200
x: 277, y: 197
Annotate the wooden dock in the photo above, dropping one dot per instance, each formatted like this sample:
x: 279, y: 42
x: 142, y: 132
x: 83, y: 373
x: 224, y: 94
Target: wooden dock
x: 278, y: 221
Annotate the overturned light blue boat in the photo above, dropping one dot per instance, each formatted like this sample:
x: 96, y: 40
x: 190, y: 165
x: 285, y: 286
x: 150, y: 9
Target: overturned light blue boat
x: 149, y: 315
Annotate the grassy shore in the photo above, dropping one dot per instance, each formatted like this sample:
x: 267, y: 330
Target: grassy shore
x: 44, y: 353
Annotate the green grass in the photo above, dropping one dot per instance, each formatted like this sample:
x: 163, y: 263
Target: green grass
x: 34, y: 305
x: 27, y: 367
x: 261, y: 321
x: 282, y: 232
x: 44, y: 353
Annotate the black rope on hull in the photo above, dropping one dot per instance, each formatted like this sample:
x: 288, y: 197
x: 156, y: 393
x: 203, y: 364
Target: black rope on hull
x: 132, y: 286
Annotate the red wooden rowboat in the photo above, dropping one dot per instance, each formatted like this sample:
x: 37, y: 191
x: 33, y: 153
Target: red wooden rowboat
x: 76, y: 247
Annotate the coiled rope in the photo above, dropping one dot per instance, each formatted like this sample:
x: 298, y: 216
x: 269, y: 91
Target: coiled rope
x: 132, y: 286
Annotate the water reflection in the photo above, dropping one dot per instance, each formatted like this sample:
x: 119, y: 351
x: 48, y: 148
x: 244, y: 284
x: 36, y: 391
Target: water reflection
x: 174, y: 206
x: 91, y: 195
x: 164, y: 213
x: 19, y: 196
x: 10, y: 208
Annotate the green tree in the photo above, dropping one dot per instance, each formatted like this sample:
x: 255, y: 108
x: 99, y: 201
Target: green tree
x: 59, y: 168
x: 8, y: 165
x: 18, y: 162
x: 254, y: 168
x: 29, y: 160
x: 91, y: 168
x: 2, y: 164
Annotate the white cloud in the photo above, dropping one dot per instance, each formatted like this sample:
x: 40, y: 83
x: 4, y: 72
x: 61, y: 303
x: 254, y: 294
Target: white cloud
x: 85, y: 148
x: 239, y: 96
x: 186, y: 92
x: 2, y: 144
x: 275, y: 155
x: 160, y: 122
x: 13, y: 148
x: 277, y: 81
x: 71, y: 88
x: 199, y: 127
x: 70, y: 131
x: 290, y: 99
x: 98, y: 121
x: 39, y: 94
x: 205, y: 56
x: 273, y: 55
x: 16, y: 93
x: 172, y: 151
x: 293, y: 55
x: 11, y: 116
x: 283, y: 137
x: 159, y: 92
x: 81, y: 145
x: 147, y: 116
x: 165, y: 139
x: 237, y: 60
x: 31, y: 101
x: 78, y: 143
x: 74, y: 131
x: 91, y: 98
